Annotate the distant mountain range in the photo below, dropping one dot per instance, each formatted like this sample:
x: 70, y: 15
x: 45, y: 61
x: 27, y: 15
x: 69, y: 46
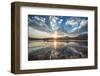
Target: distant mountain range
x: 79, y: 37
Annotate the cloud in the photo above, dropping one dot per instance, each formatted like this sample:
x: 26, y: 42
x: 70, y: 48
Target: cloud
x: 76, y: 23
x: 53, y: 22
x: 83, y: 23
x: 34, y: 33
x: 36, y: 17
x: 74, y: 29
x: 60, y: 21
x: 64, y: 26
x: 37, y: 33
x: 42, y: 19
x: 72, y: 21
x: 39, y: 23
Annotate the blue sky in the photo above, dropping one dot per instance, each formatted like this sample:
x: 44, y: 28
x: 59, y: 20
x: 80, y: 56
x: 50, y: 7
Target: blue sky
x: 64, y: 25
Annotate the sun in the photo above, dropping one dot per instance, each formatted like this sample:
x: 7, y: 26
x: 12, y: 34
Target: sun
x: 55, y: 35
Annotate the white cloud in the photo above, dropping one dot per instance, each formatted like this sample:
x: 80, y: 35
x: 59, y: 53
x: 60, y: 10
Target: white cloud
x: 83, y: 23
x: 76, y: 23
x: 41, y: 21
x: 72, y: 21
x: 37, y: 34
x: 60, y: 21
x: 53, y: 22
x: 36, y: 17
x: 74, y: 29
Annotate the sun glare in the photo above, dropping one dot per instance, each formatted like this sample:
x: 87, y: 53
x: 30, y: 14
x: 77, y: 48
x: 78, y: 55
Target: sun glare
x: 55, y: 34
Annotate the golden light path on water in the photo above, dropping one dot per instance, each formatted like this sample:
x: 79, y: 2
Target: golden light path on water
x: 55, y: 37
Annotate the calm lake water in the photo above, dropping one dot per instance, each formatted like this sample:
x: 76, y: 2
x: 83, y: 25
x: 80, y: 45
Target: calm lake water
x: 49, y: 50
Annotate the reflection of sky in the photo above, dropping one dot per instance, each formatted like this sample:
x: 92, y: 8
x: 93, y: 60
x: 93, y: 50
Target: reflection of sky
x: 67, y: 25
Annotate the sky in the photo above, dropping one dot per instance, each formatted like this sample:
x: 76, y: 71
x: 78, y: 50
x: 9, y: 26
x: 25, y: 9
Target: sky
x: 41, y: 26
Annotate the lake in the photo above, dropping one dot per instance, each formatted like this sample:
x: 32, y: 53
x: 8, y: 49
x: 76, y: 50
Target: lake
x: 49, y: 50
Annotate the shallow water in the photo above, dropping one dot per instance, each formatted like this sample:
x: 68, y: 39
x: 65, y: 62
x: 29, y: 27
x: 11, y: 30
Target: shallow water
x: 48, y: 50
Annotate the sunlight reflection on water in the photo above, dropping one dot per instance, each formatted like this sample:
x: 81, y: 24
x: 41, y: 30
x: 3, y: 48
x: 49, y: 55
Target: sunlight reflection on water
x: 47, y: 50
x: 55, y: 44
